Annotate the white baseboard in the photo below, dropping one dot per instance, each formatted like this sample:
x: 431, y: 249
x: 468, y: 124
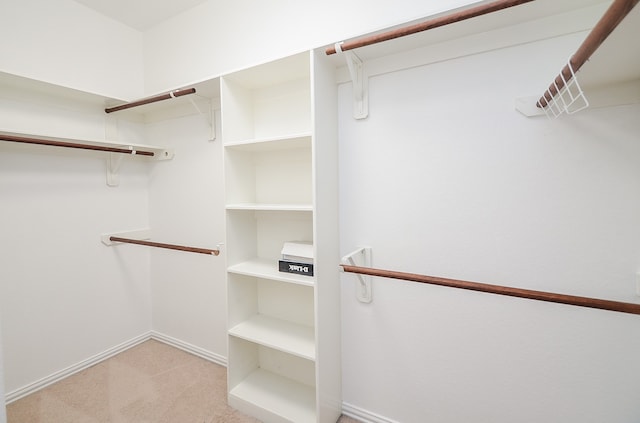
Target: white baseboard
x: 364, y: 415
x: 59, y: 375
x: 91, y: 361
x: 185, y: 346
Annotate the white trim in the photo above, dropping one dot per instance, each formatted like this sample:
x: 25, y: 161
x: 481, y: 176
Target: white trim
x: 190, y: 348
x: 64, y: 373
x: 91, y: 361
x: 364, y: 415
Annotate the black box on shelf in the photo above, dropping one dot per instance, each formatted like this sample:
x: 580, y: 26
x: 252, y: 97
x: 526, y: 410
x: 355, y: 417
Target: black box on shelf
x: 294, y: 267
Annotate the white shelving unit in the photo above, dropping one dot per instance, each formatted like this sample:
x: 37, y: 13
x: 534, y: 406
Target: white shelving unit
x: 279, y: 137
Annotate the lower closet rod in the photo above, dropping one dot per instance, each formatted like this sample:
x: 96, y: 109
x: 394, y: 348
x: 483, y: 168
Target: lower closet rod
x: 39, y: 141
x: 169, y: 246
x: 500, y: 290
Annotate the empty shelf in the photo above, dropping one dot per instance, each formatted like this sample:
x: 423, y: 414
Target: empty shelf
x: 278, y: 334
x: 277, y: 395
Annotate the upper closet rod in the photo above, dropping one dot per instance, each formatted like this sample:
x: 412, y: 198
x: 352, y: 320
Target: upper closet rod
x: 167, y: 96
x: 605, y: 26
x: 430, y: 24
x: 28, y: 140
x: 501, y: 290
x: 169, y: 246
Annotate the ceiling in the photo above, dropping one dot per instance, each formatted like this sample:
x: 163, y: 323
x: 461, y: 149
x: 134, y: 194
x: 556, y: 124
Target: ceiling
x: 140, y: 14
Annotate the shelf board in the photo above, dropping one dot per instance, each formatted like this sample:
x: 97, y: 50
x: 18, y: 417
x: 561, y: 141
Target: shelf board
x: 273, y: 73
x: 278, y: 334
x: 268, y: 269
x: 277, y: 395
x: 284, y: 142
x: 270, y: 207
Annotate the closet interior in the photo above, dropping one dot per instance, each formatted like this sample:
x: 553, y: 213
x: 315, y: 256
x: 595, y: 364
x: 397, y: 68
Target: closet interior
x: 276, y: 130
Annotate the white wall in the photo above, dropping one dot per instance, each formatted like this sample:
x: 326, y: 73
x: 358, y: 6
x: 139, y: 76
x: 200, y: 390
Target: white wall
x: 64, y: 296
x: 65, y: 43
x: 218, y: 37
x: 3, y: 413
x: 187, y: 207
x: 445, y: 178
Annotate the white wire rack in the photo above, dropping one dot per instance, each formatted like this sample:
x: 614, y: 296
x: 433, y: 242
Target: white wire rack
x: 569, y: 97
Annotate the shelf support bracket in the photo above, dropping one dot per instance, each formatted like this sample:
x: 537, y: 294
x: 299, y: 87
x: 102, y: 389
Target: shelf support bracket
x: 211, y: 117
x: 113, y: 166
x: 360, y: 82
x: 361, y: 257
x: 114, y: 160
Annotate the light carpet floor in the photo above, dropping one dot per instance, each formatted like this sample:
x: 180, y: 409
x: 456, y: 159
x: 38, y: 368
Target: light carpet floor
x: 149, y: 383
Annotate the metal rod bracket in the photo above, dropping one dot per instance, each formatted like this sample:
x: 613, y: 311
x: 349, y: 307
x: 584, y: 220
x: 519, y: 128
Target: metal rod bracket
x: 137, y: 234
x: 362, y: 255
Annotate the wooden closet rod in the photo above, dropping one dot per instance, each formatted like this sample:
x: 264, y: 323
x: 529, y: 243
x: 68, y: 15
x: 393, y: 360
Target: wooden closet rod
x: 430, y: 24
x: 167, y: 96
x: 500, y: 290
x: 605, y: 26
x: 169, y: 246
x: 28, y: 140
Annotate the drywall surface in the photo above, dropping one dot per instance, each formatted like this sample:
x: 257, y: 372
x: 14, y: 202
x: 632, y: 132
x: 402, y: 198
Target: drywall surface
x: 65, y: 43
x: 64, y: 296
x: 3, y: 411
x: 187, y: 207
x: 218, y: 37
x: 446, y: 178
